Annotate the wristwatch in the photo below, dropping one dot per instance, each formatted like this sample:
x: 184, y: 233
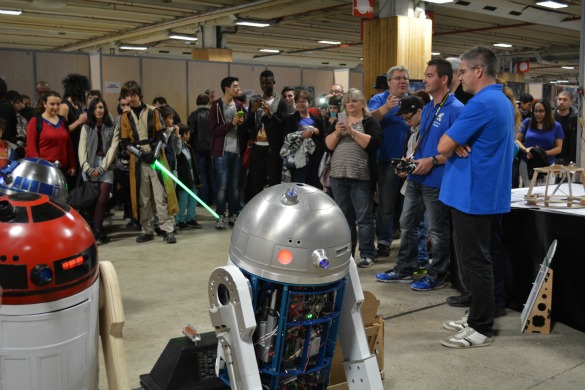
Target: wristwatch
x: 435, y: 161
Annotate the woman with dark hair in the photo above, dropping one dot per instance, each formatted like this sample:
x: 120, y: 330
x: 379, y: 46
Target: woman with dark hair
x: 50, y: 139
x: 98, y: 147
x: 303, y: 143
x: 75, y: 87
x: 538, y: 135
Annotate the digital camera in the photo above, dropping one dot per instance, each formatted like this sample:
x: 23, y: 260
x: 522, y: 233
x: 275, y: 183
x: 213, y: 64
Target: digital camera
x: 403, y: 166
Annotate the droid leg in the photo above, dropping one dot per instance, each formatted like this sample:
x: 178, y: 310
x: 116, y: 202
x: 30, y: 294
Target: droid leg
x: 111, y: 324
x: 360, y: 366
x: 232, y: 315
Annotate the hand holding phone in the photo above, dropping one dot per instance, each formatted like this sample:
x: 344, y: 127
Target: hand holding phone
x: 342, y: 118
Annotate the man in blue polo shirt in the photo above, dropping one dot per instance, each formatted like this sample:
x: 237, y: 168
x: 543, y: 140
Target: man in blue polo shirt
x: 479, y: 148
x: 424, y: 184
x: 383, y: 106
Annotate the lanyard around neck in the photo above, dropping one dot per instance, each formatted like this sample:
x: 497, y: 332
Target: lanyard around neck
x: 423, y: 135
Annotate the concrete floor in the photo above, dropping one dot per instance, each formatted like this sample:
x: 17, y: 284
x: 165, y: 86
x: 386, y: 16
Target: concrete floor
x: 164, y: 287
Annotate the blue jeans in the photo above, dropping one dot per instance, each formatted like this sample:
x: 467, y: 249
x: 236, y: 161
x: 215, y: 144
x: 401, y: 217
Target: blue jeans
x: 423, y: 254
x: 206, y: 171
x: 228, y: 169
x: 417, y: 199
x: 187, y: 206
x: 355, y: 199
x: 388, y: 191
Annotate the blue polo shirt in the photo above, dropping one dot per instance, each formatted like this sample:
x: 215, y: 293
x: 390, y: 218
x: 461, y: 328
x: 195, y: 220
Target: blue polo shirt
x: 482, y: 182
x: 435, y: 120
x: 394, y: 128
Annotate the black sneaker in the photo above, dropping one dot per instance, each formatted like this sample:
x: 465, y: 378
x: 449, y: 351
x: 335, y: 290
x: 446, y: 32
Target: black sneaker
x: 145, y: 237
x: 170, y: 238
x: 194, y: 224
x: 459, y: 301
x: 383, y: 251
x: 159, y: 232
x: 183, y: 226
x: 101, y: 237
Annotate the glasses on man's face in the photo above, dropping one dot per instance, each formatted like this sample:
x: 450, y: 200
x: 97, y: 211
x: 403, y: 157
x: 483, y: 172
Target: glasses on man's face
x: 399, y: 78
x: 462, y: 71
x: 407, y: 120
x: 336, y: 92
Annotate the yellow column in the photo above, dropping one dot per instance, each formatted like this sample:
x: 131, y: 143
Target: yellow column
x: 397, y: 40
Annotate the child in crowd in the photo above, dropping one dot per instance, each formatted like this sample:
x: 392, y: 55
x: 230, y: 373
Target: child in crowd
x: 188, y: 174
x: 7, y: 149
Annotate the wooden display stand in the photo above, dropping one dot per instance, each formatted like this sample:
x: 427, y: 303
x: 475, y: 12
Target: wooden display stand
x: 539, y: 318
x: 111, y: 324
x: 549, y: 198
x: 374, y: 326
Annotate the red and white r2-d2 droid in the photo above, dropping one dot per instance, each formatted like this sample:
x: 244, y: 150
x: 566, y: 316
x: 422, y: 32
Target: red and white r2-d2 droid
x: 290, y: 287
x: 50, y: 301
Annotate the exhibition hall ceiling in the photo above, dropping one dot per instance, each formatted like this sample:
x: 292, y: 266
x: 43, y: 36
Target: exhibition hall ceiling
x: 545, y: 38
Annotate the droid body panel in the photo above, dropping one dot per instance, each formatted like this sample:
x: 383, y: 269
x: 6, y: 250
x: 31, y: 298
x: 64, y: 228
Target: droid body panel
x: 289, y: 286
x: 50, y: 303
x: 32, y: 174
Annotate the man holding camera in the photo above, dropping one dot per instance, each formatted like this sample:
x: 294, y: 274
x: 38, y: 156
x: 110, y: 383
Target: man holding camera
x: 424, y: 184
x: 266, y: 124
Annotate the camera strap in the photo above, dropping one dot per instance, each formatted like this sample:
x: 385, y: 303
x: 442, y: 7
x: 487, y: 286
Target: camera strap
x: 423, y: 135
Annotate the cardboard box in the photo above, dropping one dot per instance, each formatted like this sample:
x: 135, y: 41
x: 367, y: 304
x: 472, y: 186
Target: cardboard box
x: 374, y: 327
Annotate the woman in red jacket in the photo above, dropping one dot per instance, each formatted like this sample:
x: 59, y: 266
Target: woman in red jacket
x: 52, y: 142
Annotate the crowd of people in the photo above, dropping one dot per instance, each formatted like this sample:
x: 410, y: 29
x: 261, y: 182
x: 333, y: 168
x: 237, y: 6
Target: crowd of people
x: 436, y: 165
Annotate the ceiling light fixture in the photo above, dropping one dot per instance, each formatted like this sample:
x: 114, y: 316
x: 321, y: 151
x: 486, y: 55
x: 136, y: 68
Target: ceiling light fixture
x: 133, y: 47
x: 435, y: 53
x: 252, y: 23
x: 438, y: 1
x: 330, y: 42
x: 10, y: 12
x: 269, y: 51
x: 562, y: 81
x: 551, y: 4
x: 568, y: 67
x: 502, y: 45
x: 182, y: 37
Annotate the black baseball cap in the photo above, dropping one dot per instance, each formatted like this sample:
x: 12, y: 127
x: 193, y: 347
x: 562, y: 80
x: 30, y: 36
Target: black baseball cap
x: 409, y: 105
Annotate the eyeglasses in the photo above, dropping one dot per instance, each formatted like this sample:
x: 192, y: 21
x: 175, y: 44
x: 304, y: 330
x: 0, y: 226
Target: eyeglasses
x: 335, y: 92
x: 407, y: 120
x: 462, y: 71
x: 398, y: 78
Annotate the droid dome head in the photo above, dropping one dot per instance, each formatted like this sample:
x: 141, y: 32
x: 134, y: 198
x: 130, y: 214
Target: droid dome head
x: 292, y: 233
x: 48, y: 251
x: 33, y: 174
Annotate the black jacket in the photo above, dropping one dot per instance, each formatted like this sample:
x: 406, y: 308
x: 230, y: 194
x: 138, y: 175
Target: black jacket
x: 274, y: 126
x: 183, y: 170
x: 199, y: 125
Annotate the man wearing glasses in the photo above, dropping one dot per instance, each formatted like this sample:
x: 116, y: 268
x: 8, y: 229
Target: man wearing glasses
x: 477, y: 184
x: 424, y: 184
x: 383, y: 106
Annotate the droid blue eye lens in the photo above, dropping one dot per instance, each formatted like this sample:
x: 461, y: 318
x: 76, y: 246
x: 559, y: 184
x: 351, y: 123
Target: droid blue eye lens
x: 41, y: 274
x: 324, y: 263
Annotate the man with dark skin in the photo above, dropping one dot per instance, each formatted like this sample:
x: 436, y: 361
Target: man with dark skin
x: 265, y: 122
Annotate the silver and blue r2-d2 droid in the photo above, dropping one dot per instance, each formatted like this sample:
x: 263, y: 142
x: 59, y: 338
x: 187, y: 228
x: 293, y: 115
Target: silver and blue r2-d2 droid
x: 290, y: 288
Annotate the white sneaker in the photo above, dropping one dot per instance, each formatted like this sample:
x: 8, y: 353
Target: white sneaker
x: 457, y: 325
x: 467, y: 338
x: 232, y: 220
x: 219, y: 223
x: 365, y: 262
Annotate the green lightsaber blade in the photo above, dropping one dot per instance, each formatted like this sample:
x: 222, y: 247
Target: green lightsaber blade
x: 169, y: 174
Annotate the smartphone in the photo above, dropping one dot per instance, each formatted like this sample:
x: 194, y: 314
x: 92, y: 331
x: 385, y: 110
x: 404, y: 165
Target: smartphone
x: 333, y: 115
x: 342, y: 117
